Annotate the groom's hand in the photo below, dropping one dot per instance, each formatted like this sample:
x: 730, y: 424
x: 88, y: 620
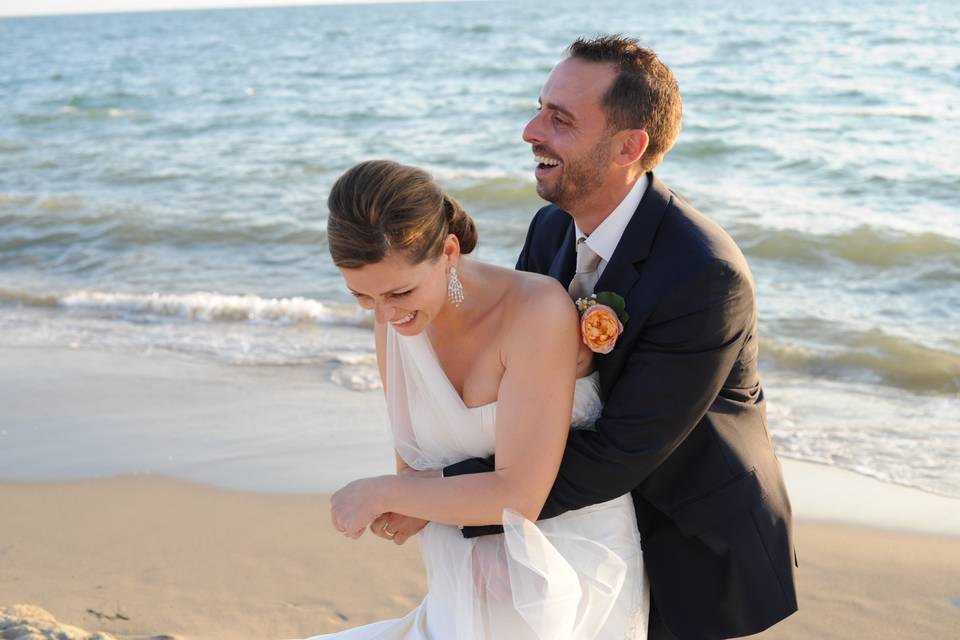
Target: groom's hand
x: 396, y: 527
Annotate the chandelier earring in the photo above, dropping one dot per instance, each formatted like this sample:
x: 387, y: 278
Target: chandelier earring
x: 454, y: 288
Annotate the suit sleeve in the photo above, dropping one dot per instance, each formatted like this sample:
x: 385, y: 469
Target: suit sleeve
x: 523, y: 262
x: 674, y: 371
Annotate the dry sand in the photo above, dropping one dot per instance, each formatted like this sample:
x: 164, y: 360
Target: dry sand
x: 142, y: 556
x: 179, y: 558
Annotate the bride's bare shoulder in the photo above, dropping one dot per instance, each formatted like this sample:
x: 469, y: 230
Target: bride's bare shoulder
x: 541, y: 297
x: 520, y: 298
x: 539, y: 285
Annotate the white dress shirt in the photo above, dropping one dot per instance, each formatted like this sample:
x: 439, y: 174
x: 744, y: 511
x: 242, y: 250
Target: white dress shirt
x: 605, y: 238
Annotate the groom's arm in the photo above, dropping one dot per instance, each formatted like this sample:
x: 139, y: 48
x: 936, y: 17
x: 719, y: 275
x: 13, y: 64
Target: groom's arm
x: 674, y: 372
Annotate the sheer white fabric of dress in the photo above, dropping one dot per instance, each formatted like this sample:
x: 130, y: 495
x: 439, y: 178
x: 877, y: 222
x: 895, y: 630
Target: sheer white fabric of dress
x: 578, y: 576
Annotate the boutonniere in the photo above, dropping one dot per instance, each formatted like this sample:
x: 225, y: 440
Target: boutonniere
x: 602, y: 317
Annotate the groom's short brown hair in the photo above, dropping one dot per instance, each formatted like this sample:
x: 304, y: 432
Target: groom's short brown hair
x: 644, y: 95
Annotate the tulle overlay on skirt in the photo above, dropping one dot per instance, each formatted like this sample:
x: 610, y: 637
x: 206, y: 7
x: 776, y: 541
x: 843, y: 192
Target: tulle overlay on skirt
x: 578, y: 576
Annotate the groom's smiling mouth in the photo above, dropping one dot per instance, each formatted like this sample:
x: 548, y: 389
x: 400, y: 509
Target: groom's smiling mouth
x: 545, y: 164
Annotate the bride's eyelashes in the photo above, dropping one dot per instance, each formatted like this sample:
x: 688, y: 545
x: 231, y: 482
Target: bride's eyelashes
x: 364, y: 298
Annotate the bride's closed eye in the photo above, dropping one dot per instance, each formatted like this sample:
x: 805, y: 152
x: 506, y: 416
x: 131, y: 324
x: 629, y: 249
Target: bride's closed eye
x: 362, y: 297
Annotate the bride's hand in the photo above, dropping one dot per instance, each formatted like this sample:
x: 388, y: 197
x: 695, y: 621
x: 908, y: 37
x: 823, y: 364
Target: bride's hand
x: 396, y: 527
x: 356, y: 505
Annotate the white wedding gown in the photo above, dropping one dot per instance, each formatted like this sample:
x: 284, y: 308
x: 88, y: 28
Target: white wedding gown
x: 578, y: 576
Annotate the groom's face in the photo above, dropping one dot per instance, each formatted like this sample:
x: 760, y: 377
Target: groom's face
x: 570, y: 138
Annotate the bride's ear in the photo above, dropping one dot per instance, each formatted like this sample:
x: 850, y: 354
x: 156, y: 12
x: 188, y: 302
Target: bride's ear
x: 451, y: 250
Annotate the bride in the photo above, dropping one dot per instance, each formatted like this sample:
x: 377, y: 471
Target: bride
x: 476, y: 360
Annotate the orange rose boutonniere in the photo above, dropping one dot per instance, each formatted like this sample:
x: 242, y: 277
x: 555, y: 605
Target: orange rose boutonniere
x: 602, y: 316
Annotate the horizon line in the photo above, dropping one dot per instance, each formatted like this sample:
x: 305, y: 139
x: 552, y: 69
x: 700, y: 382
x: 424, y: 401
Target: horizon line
x: 210, y: 5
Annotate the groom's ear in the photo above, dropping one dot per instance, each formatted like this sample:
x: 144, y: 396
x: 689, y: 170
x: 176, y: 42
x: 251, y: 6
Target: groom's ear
x: 629, y: 146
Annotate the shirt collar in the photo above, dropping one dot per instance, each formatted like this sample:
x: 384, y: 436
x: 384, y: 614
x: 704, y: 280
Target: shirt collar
x: 605, y: 238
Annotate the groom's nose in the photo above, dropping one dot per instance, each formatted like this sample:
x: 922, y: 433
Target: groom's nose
x: 532, y: 133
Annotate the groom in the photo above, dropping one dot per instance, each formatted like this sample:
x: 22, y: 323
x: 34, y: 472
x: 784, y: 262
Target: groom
x: 684, y: 426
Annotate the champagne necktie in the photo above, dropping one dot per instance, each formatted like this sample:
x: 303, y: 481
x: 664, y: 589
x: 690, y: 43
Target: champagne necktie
x: 586, y: 276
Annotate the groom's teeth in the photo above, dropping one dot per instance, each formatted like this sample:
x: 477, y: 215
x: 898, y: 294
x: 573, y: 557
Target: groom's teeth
x: 550, y: 162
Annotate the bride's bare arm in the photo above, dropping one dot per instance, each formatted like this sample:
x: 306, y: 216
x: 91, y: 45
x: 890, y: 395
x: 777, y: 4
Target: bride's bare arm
x: 394, y: 527
x: 533, y: 417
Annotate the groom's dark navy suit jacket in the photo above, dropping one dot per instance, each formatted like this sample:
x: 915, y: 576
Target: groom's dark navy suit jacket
x: 684, y: 426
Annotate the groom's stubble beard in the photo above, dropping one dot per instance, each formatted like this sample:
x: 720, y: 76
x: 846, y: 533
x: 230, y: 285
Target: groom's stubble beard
x: 580, y: 177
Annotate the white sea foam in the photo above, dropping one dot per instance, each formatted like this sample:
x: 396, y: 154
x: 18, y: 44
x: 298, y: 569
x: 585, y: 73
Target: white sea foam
x: 860, y: 427
x: 217, y: 307
x: 357, y: 377
x: 239, y: 330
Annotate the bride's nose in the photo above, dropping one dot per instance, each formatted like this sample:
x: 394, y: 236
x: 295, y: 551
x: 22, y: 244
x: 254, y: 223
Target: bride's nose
x: 384, y: 312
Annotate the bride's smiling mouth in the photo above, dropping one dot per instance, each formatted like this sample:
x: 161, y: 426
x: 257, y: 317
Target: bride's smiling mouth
x: 405, y: 321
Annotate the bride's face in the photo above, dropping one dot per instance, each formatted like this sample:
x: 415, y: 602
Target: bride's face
x: 408, y: 296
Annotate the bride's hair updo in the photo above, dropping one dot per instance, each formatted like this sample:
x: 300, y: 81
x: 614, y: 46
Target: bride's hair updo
x: 381, y: 206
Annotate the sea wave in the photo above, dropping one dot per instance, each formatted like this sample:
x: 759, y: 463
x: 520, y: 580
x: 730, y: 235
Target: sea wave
x: 70, y: 113
x: 871, y: 355
x: 11, y: 146
x: 201, y: 306
x: 7, y: 199
x: 714, y: 149
x: 861, y: 245
x: 59, y: 220
x: 498, y: 190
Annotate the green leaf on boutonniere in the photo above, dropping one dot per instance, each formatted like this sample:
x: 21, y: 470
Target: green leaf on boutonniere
x: 616, y: 302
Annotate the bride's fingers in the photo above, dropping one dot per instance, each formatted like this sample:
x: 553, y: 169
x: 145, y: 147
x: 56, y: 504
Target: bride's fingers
x: 346, y: 524
x: 392, y: 527
x: 335, y: 522
x: 353, y: 535
x: 407, y: 529
x: 379, y: 526
x: 402, y: 530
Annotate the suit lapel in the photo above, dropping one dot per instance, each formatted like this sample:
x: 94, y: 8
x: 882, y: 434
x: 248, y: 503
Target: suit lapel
x: 634, y: 246
x: 621, y: 273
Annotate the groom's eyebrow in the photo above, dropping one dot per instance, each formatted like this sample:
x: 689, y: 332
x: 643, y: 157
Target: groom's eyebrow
x: 556, y: 107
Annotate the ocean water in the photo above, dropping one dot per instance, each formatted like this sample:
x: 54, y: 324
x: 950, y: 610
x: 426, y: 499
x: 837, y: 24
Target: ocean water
x: 163, y: 179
